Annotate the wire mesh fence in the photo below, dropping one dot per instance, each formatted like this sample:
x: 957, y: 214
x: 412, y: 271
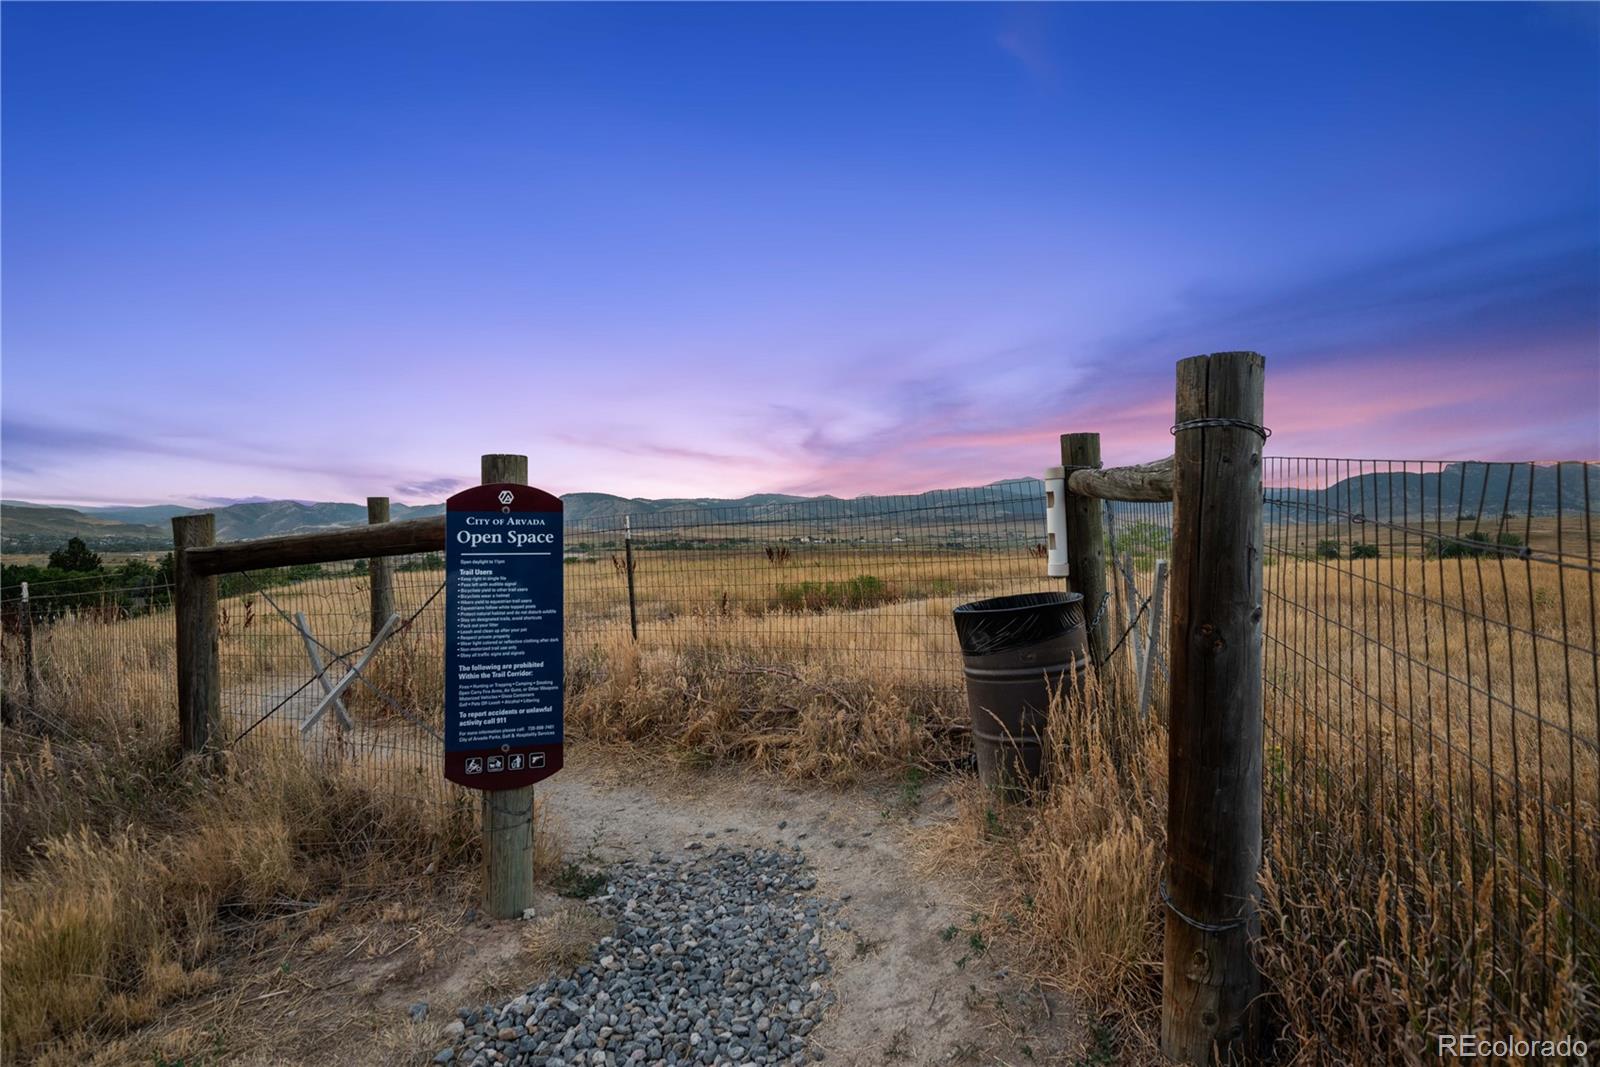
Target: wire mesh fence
x: 1431, y: 732
x: 288, y: 636
x: 100, y: 640
x: 1431, y: 674
x: 868, y: 585
x: 809, y: 594
x: 1138, y: 539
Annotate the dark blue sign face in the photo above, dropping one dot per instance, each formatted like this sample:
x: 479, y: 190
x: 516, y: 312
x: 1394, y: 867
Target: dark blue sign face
x: 503, y: 665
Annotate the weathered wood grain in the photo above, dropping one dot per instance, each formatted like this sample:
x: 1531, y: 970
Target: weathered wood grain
x: 1214, y: 727
x: 507, y: 813
x: 1086, y: 542
x: 195, y: 615
x: 379, y: 570
x: 384, y: 539
x: 1143, y: 482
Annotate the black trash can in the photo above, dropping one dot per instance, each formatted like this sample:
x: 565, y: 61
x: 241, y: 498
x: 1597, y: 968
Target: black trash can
x: 1017, y: 651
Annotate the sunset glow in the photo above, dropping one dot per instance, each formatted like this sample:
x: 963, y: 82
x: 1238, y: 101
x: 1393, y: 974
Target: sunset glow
x: 321, y: 252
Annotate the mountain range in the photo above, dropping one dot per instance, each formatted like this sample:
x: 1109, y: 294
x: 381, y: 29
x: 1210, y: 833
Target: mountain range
x: 1469, y: 489
x: 25, y: 526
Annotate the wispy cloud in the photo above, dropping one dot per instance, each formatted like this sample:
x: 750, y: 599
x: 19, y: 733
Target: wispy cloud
x: 39, y: 450
x: 429, y: 488
x: 1025, y: 37
x: 1412, y: 352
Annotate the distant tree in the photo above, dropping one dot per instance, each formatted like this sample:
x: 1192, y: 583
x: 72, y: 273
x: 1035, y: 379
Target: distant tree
x: 1328, y: 549
x: 75, y: 557
x: 1363, y: 550
x: 1143, y: 539
x: 1471, y: 545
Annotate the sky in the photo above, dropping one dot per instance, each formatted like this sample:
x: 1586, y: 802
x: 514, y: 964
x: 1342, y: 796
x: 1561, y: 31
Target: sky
x: 323, y: 252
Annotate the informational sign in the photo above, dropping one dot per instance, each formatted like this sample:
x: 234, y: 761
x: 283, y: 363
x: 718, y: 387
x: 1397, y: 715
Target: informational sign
x: 503, y: 660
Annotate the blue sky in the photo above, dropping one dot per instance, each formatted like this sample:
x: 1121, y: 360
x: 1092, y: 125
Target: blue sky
x: 326, y: 251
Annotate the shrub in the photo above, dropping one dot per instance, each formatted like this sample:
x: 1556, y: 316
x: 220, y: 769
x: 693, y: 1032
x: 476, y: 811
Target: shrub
x: 1363, y: 550
x: 1144, y: 539
x: 862, y: 591
x: 75, y: 556
x: 1475, y: 544
x: 1328, y: 549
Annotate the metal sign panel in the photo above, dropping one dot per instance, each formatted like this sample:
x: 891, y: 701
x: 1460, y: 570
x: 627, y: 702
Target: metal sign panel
x: 503, y: 657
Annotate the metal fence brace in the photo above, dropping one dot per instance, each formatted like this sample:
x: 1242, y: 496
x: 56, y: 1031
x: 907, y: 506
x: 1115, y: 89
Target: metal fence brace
x: 332, y: 696
x: 321, y: 672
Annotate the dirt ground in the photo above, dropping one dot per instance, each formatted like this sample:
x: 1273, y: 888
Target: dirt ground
x: 917, y: 983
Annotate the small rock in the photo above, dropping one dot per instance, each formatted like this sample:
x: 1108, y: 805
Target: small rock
x: 418, y: 1011
x: 707, y: 953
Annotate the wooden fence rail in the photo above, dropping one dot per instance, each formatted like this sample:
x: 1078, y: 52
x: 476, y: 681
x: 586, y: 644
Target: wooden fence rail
x: 507, y: 814
x: 381, y: 539
x: 1142, y: 483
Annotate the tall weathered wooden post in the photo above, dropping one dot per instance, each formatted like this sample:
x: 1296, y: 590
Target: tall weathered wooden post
x: 195, y: 613
x: 507, y: 813
x: 31, y: 673
x: 627, y: 562
x: 1086, y: 541
x: 380, y: 569
x: 1214, y: 743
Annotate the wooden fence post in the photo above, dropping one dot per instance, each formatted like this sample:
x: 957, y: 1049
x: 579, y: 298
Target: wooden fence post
x: 1086, y: 543
x: 195, y: 611
x: 379, y: 570
x: 1214, y: 740
x: 31, y: 675
x: 507, y: 813
x: 627, y: 555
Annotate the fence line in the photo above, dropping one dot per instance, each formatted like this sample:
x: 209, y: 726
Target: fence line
x: 1432, y: 732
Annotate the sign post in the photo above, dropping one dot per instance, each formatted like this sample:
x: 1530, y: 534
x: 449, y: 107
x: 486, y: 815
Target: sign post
x: 503, y: 663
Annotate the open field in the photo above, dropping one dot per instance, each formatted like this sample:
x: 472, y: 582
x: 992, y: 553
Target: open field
x: 1432, y: 725
x: 108, y: 557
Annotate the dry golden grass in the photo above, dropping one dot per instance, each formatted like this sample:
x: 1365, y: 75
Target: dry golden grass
x: 118, y: 856
x: 563, y: 938
x: 1433, y: 848
x: 104, y: 927
x: 1430, y: 769
x: 1069, y: 873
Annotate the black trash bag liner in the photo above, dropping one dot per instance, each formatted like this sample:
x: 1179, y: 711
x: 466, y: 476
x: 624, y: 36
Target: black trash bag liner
x: 1003, y: 623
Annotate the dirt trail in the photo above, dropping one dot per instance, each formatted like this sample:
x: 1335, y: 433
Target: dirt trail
x: 913, y: 986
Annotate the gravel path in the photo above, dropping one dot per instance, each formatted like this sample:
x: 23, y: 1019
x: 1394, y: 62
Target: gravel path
x: 716, y: 959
